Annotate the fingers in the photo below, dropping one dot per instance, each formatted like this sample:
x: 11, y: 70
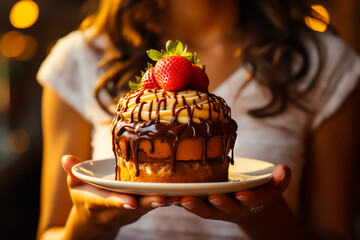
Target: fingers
x: 281, y: 176
x: 227, y: 204
x: 152, y: 201
x: 197, y: 206
x: 99, y: 198
x: 173, y: 200
x: 96, y: 198
x: 268, y: 193
x: 102, y: 198
x: 68, y: 161
x: 105, y: 207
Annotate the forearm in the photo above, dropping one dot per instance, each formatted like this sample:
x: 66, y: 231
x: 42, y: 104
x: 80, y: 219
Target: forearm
x: 54, y: 233
x: 77, y: 228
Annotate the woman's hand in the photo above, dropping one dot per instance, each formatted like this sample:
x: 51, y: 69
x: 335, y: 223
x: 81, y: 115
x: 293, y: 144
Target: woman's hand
x: 98, y: 211
x: 243, y: 205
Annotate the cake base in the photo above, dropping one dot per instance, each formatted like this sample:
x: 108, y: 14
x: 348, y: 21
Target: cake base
x: 193, y: 171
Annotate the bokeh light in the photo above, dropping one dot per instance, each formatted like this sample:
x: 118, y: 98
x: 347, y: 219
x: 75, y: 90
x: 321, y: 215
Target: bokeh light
x: 4, y: 89
x: 24, y: 14
x: 317, y: 24
x: 12, y: 44
x: 237, y: 52
x: 19, y: 140
x: 30, y: 48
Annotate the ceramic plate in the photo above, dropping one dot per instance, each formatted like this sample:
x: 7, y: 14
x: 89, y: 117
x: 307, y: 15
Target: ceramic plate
x: 246, y: 173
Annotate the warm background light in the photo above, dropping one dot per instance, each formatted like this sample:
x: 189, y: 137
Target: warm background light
x: 4, y: 88
x: 24, y: 14
x: 19, y: 140
x: 316, y: 24
x: 30, y: 48
x: 12, y: 44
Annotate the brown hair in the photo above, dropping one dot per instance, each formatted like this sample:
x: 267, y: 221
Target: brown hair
x: 272, y: 30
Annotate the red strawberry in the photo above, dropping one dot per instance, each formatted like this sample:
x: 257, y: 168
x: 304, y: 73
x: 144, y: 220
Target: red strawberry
x: 148, y: 80
x: 173, y: 73
x: 200, y: 80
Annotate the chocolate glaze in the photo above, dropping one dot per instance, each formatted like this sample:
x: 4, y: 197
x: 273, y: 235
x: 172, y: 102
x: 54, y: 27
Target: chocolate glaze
x: 129, y: 133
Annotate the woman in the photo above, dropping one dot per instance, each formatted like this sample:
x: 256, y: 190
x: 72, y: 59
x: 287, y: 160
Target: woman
x: 292, y: 93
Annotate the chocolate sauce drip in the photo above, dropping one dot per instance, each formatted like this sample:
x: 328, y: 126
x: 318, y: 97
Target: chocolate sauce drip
x: 140, y: 93
x: 132, y: 114
x: 127, y: 151
x: 204, y: 146
x: 127, y: 134
x: 233, y: 138
x: 225, y: 142
x: 131, y: 134
x: 197, y: 93
x: 183, y: 100
x: 162, y: 100
x: 150, y: 108
x: 139, y: 113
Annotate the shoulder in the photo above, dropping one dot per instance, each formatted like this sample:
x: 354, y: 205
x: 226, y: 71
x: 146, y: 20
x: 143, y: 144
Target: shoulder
x: 329, y: 49
x: 335, y: 68
x: 62, y: 56
x: 68, y: 69
x: 72, y: 44
x: 84, y: 39
x: 330, y: 59
x: 330, y: 40
x: 72, y: 52
x: 75, y: 37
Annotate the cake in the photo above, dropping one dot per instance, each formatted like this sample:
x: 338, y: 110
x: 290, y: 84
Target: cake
x: 171, y: 129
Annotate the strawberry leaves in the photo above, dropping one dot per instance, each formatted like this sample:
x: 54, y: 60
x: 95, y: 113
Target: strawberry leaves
x: 137, y: 84
x: 154, y: 55
x: 171, y: 50
x: 170, y: 46
x: 179, y: 48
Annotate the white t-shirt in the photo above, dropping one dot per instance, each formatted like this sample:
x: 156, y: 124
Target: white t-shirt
x: 71, y: 69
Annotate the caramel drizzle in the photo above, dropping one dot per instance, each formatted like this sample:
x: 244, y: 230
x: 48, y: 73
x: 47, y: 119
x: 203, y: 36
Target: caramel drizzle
x: 132, y: 133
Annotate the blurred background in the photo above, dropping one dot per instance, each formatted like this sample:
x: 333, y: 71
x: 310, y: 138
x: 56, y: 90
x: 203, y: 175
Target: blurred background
x: 28, y: 30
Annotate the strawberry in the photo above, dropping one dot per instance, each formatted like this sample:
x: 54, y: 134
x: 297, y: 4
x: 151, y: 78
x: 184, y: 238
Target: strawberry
x: 148, y: 80
x: 173, y: 72
x: 200, y: 80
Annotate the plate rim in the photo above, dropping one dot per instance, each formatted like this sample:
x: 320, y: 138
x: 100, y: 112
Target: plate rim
x: 162, y: 186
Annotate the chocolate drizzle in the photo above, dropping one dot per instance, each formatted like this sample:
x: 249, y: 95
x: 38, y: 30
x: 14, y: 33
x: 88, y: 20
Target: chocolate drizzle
x: 128, y: 134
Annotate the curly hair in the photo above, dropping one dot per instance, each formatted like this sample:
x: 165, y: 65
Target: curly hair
x: 271, y: 30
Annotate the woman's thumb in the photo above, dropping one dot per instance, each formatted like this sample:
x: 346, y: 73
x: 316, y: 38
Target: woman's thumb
x: 281, y: 176
x: 68, y: 161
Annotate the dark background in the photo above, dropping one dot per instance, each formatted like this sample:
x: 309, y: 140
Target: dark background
x: 20, y: 121
x: 20, y: 173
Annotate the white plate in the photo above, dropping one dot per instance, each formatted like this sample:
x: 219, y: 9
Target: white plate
x: 244, y: 174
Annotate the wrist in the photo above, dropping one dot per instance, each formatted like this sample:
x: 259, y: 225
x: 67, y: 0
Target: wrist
x: 78, y: 226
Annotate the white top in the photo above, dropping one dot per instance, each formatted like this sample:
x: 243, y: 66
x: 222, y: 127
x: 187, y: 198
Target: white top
x: 72, y: 71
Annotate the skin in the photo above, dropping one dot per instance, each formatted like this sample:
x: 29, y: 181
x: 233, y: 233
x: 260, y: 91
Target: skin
x: 71, y: 209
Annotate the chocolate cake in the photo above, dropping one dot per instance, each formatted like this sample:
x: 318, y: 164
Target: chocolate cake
x: 166, y: 135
